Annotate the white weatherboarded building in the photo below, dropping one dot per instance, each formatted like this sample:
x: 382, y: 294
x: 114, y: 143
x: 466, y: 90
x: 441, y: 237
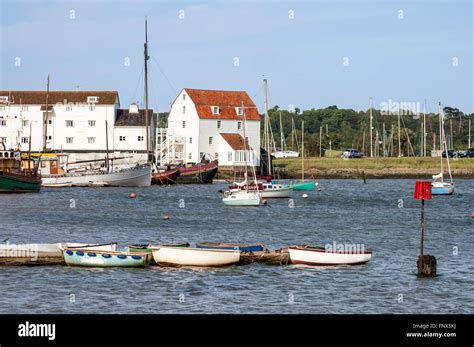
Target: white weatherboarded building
x: 75, y: 124
x: 211, y: 123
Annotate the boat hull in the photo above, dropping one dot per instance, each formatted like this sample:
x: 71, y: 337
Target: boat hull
x: 277, y: 193
x: 186, y: 256
x: 442, y: 188
x: 92, y: 258
x: 13, y: 183
x: 198, y: 174
x: 304, y: 186
x: 242, y: 198
x: 319, y: 256
x: 165, y: 178
x: 137, y: 176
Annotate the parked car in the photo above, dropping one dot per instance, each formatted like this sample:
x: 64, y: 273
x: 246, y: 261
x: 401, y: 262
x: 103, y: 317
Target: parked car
x: 352, y: 153
x: 451, y: 153
x: 461, y: 154
x: 470, y: 153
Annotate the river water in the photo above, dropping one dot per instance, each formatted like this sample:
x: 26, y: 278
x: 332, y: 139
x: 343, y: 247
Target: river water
x: 381, y: 215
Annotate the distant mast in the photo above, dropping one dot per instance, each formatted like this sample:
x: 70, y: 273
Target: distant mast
x: 46, y: 117
x: 146, y: 93
x: 267, y: 129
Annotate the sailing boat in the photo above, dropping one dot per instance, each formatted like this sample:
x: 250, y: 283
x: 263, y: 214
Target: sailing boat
x: 303, y: 185
x: 439, y: 186
x: 245, y: 193
x: 283, y: 153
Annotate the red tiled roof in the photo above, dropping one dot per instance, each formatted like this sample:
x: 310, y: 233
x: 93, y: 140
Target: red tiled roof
x: 227, y: 102
x: 39, y: 97
x: 235, y: 141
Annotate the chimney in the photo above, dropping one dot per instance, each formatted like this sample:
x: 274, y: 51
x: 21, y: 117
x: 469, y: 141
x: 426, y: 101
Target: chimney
x: 133, y: 108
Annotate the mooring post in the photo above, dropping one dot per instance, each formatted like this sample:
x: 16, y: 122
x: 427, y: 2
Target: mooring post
x: 426, y: 264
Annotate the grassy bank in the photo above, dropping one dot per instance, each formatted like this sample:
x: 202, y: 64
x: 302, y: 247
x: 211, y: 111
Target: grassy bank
x: 372, y: 167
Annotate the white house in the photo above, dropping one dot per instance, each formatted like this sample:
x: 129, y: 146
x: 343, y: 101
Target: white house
x: 76, y: 123
x: 222, y: 125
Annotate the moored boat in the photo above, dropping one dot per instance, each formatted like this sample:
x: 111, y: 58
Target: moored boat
x: 103, y: 258
x: 242, y: 247
x: 313, y: 255
x: 268, y: 257
x: 238, y: 197
x: 304, y: 186
x: 442, y: 188
x: 14, y: 178
x: 42, y: 253
x: 165, y: 177
x: 189, y: 256
x: 201, y: 173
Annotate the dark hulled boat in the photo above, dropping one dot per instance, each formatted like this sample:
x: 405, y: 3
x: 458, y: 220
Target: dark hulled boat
x: 165, y: 177
x: 15, y: 179
x: 200, y: 173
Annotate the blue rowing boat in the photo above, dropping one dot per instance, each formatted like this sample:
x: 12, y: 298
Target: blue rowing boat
x: 97, y: 258
x: 243, y: 247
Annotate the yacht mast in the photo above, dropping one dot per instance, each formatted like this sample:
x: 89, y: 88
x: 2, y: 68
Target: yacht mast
x: 146, y: 93
x: 267, y: 126
x: 46, y: 118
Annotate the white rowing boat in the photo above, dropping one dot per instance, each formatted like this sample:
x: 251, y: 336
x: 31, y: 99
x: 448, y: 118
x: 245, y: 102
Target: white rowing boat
x: 310, y: 255
x: 187, y: 256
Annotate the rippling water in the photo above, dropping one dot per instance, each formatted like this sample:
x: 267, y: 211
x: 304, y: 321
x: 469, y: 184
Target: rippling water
x: 345, y: 211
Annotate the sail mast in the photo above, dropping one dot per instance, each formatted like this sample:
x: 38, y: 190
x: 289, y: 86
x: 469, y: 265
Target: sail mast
x: 302, y: 150
x: 399, y: 142
x: 107, y: 146
x: 267, y: 126
x: 146, y: 92
x: 371, y: 135
x: 46, y: 118
x: 281, y: 134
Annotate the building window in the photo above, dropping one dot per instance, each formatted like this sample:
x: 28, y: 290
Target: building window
x: 184, y: 124
x: 184, y: 96
x: 91, y: 123
x: 69, y: 139
x: 219, y: 124
x: 91, y: 140
x: 216, y: 155
x: 3, y: 140
x: 210, y: 140
x: 184, y: 109
x: 25, y: 123
x: 121, y: 138
x: 50, y: 121
x: 240, y: 111
x: 201, y: 154
x: 246, y: 140
x: 229, y: 156
x: 215, y: 109
x: 69, y: 123
x: 140, y: 138
x: 91, y: 107
x: 190, y: 140
x: 24, y: 140
x: 68, y: 108
x: 91, y: 99
x: 3, y: 123
x: 239, y: 125
x: 190, y: 156
x: 24, y: 108
x: 50, y: 137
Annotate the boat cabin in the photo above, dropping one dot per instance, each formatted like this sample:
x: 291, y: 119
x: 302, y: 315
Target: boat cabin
x: 10, y: 161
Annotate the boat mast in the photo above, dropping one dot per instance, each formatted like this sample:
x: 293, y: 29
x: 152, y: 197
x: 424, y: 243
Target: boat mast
x: 46, y: 118
x: 399, y: 142
x: 107, y: 146
x: 371, y: 135
x: 424, y: 130
x: 302, y: 150
x: 146, y: 93
x: 443, y: 135
x: 267, y: 126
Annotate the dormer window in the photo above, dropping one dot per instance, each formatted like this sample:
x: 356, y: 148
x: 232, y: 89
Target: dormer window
x: 4, y: 99
x: 215, y: 110
x: 240, y: 111
x: 92, y: 99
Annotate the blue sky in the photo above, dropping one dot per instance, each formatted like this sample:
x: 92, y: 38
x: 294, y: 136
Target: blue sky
x: 403, y: 59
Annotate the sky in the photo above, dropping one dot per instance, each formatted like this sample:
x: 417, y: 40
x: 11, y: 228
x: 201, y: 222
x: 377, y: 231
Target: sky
x: 313, y: 53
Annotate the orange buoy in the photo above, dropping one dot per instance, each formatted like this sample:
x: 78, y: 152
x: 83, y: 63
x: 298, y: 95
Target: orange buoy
x: 133, y: 195
x: 472, y: 215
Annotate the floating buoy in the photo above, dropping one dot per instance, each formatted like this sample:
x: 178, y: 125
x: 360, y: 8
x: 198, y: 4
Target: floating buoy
x: 166, y: 216
x: 133, y: 195
x: 319, y: 189
x: 472, y: 215
x: 304, y: 196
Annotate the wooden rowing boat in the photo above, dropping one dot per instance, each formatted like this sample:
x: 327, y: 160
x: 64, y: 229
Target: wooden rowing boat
x: 268, y: 257
x: 189, y: 256
x: 314, y: 255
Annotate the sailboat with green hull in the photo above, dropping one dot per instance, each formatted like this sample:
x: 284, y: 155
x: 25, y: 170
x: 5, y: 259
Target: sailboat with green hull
x: 305, y: 186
